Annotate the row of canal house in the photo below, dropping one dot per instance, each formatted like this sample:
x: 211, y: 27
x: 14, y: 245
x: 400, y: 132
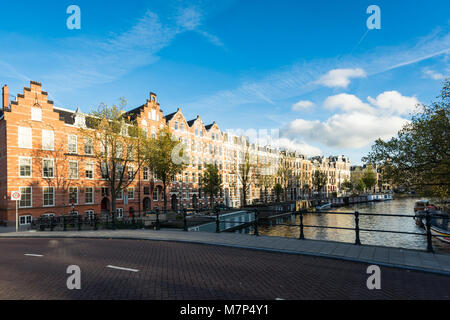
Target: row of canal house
x: 43, y: 154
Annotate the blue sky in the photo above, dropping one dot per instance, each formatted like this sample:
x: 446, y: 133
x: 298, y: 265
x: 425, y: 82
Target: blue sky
x: 311, y: 69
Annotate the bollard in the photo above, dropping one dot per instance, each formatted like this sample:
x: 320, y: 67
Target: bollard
x: 302, y: 235
x: 52, y: 224
x: 64, y: 224
x: 256, y: 223
x: 157, y: 219
x: 217, y: 223
x: 80, y: 221
x: 429, y: 237
x: 357, y: 241
x: 185, y: 228
x: 95, y: 222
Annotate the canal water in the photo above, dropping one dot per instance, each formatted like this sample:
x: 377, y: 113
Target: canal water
x: 400, y: 207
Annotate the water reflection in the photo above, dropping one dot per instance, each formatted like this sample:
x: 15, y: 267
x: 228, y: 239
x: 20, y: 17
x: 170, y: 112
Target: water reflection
x: 401, y: 207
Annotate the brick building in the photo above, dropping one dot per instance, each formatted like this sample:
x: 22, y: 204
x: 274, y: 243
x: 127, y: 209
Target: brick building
x: 43, y: 154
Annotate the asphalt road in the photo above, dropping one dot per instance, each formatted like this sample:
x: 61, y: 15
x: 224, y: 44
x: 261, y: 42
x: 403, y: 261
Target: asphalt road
x: 132, y: 269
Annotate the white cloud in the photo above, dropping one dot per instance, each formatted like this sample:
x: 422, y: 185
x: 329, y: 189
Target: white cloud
x: 296, y: 145
x: 303, y: 105
x: 346, y: 102
x: 394, y: 102
x: 340, y: 78
x: 433, y: 74
x: 357, y: 124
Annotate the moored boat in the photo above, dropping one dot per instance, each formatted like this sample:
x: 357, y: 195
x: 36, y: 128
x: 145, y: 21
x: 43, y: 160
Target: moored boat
x: 323, y: 206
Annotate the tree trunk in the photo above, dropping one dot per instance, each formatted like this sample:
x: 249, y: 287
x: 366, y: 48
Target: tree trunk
x: 165, y: 196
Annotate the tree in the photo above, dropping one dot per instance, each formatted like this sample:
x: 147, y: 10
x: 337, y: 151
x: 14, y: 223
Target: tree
x: 285, y: 173
x: 117, y: 145
x: 347, y: 185
x: 245, y: 171
x: 319, y: 180
x: 211, y: 182
x: 164, y: 155
x: 419, y: 156
x: 278, y: 189
x: 369, y: 177
x: 360, y: 187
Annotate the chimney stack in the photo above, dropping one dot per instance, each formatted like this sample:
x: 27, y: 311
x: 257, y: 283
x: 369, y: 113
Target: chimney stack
x: 5, y: 97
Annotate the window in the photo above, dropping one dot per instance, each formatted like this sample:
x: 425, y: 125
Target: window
x: 130, y: 153
x: 88, y: 146
x: 89, y: 195
x: 49, y: 196
x: 25, y: 167
x: 196, y: 131
x: 25, y: 138
x: 48, y: 168
x: 119, y: 213
x: 24, y: 220
x: 26, y: 202
x: 131, y: 193
x: 105, y: 192
x: 48, y: 215
x: 104, y: 170
x: 153, y: 114
x: 73, y: 195
x: 48, y: 140
x: 182, y: 127
x: 155, y: 194
x: 146, y: 190
x: 73, y: 144
x: 89, y: 171
x: 176, y: 125
x: 36, y: 114
x: 119, y: 150
x: 73, y: 169
x: 131, y: 173
x: 90, y: 214
x: 145, y: 171
x: 120, y: 195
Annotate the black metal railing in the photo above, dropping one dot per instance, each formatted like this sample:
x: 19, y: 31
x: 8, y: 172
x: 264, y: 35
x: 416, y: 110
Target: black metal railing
x: 428, y: 216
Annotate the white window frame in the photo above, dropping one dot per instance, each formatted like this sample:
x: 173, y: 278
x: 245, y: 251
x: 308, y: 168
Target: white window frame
x: 86, y: 169
x: 31, y: 167
x: 31, y: 197
x: 78, y: 200
x: 25, y: 137
x: 36, y: 114
x: 119, y: 213
x: 43, y: 197
x: 89, y: 142
x: 48, y: 145
x: 26, y: 217
x: 73, y: 161
x: 53, y: 162
x: 70, y: 143
x: 130, y: 198
x: 120, y: 195
x: 146, y: 172
x: 93, y: 195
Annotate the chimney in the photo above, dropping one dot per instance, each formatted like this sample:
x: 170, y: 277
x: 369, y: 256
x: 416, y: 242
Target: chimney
x: 5, y: 97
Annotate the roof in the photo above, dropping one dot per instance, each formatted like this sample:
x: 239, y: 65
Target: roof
x: 170, y: 116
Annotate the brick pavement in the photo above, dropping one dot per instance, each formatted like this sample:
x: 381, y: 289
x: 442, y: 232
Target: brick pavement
x: 173, y: 270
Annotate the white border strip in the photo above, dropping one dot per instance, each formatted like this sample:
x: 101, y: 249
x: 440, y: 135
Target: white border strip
x: 33, y: 255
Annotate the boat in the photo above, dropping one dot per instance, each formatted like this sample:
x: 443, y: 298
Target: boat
x: 424, y: 205
x: 439, y: 224
x: 323, y: 206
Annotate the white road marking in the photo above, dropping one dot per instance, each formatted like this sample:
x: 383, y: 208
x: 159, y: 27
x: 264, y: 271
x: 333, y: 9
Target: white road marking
x: 124, y: 269
x: 33, y: 255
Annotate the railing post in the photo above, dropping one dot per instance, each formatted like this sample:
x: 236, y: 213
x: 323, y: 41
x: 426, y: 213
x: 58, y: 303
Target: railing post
x: 357, y: 241
x: 185, y: 228
x: 157, y: 219
x: 64, y: 224
x: 52, y: 224
x: 256, y: 223
x: 217, y: 222
x: 80, y: 221
x: 302, y: 235
x: 429, y: 237
x: 95, y: 222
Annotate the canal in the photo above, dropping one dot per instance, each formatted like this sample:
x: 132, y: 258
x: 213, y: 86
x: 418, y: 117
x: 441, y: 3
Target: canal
x: 401, y: 206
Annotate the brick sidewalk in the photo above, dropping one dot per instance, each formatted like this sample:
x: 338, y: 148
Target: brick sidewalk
x: 393, y: 257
